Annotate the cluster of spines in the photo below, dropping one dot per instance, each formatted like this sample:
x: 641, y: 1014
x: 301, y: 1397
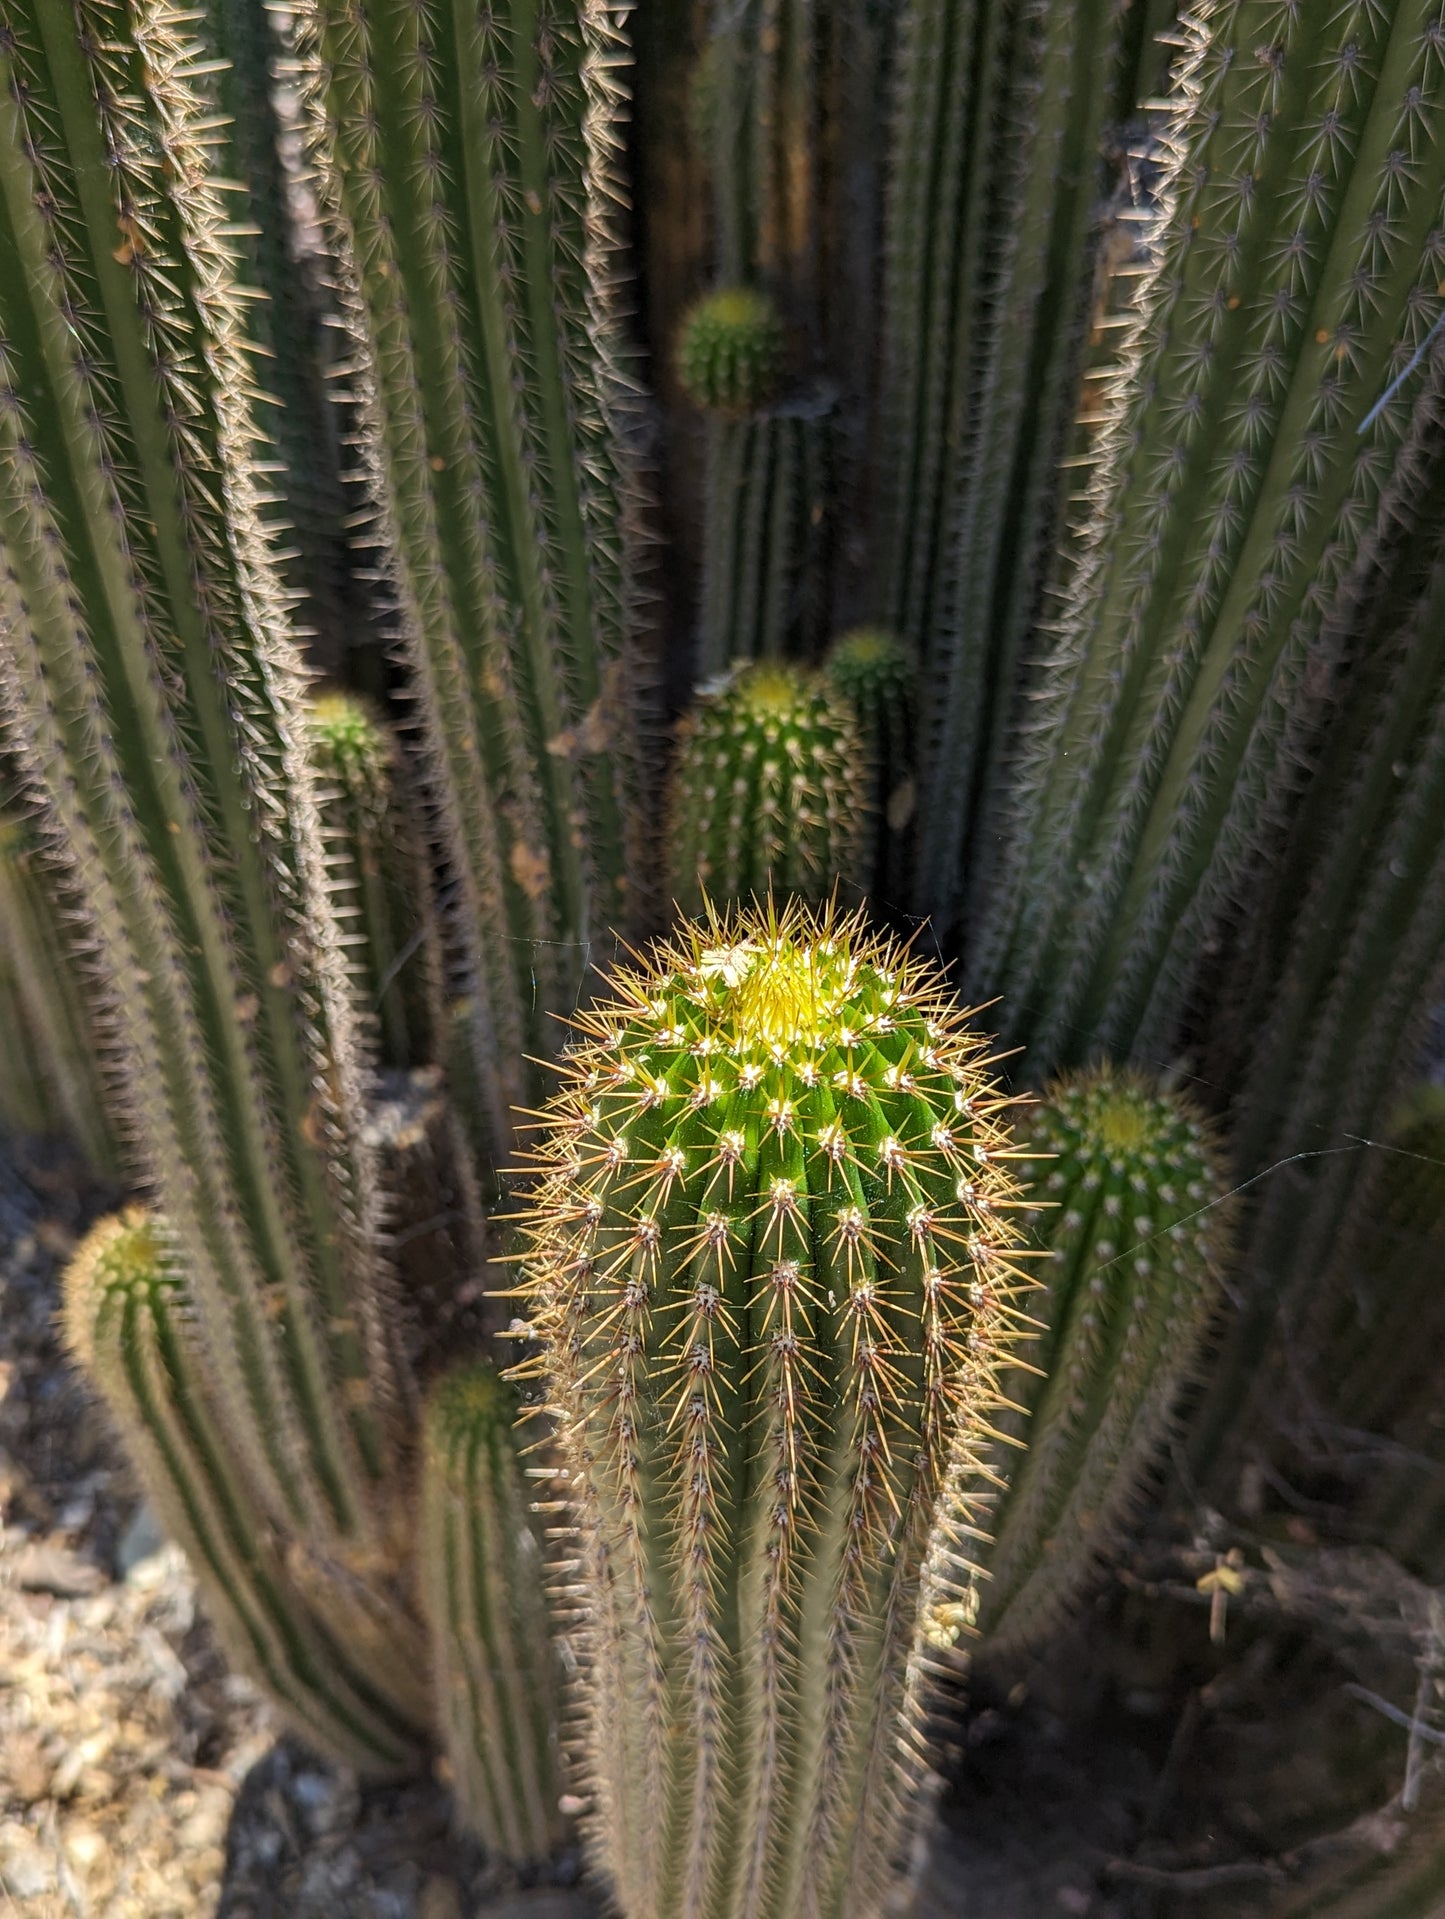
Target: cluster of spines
x: 49, y: 1077
x: 769, y: 791
x: 467, y: 165
x: 1266, y: 384
x: 380, y: 885
x: 772, y: 1270
x: 877, y: 675
x: 1330, y: 991
x: 346, y: 1688
x: 484, y: 1580
x: 731, y: 351
x: 994, y: 184
x: 154, y: 701
x: 1127, y: 1194
x: 287, y: 325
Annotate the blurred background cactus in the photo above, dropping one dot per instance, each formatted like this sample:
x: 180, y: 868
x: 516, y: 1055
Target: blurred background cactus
x: 455, y: 516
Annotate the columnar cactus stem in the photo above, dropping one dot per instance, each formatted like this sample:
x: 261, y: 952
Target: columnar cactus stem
x: 994, y: 185
x: 772, y: 1270
x: 1129, y: 1191
x: 154, y: 700
x: 294, y: 408
x: 484, y: 1576
x: 1354, y: 905
x: 1254, y: 421
x: 467, y: 160
x: 769, y: 791
x: 877, y: 675
x: 379, y: 880
x: 49, y: 1079
x: 764, y: 533
x: 347, y: 1690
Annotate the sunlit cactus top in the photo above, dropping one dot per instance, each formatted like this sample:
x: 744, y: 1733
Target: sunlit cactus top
x: 731, y: 350
x: 792, y: 1092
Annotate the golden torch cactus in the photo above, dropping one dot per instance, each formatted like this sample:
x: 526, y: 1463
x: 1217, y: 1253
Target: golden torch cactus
x: 772, y: 1274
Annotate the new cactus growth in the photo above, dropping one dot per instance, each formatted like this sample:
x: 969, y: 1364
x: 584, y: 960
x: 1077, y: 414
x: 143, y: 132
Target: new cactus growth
x: 731, y: 351
x: 1127, y: 1190
x: 484, y: 1580
x: 1253, y: 424
x: 769, y: 791
x: 466, y: 159
x: 49, y: 1077
x: 772, y: 1269
x: 129, y: 1321
x: 877, y: 675
x: 379, y: 879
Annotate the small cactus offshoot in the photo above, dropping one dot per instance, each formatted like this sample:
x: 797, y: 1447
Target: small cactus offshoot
x: 348, y: 1690
x: 772, y: 1271
x: 731, y: 351
x: 1128, y: 1188
x: 493, y: 1659
x: 769, y: 790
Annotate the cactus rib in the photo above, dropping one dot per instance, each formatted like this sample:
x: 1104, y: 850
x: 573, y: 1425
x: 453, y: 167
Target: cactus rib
x: 1294, y: 277
x: 484, y: 1575
x: 465, y: 159
x: 769, y: 791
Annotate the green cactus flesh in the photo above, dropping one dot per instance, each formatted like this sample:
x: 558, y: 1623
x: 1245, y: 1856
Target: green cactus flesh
x: 484, y: 1579
x: 1128, y: 1200
x: 466, y: 159
x: 346, y: 1683
x: 765, y: 533
x: 877, y: 675
x: 153, y: 698
x: 769, y: 791
x: 379, y: 879
x: 994, y: 187
x: 50, y: 1081
x: 731, y: 350
x: 772, y: 1274
x: 1255, y: 417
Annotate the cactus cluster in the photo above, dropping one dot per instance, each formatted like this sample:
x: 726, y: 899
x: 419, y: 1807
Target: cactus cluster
x: 768, y: 791
x: 783, y: 1437
x: 772, y: 1267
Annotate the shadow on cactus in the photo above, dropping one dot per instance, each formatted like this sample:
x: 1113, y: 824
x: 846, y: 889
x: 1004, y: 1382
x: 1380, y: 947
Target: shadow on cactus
x: 773, y: 1273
